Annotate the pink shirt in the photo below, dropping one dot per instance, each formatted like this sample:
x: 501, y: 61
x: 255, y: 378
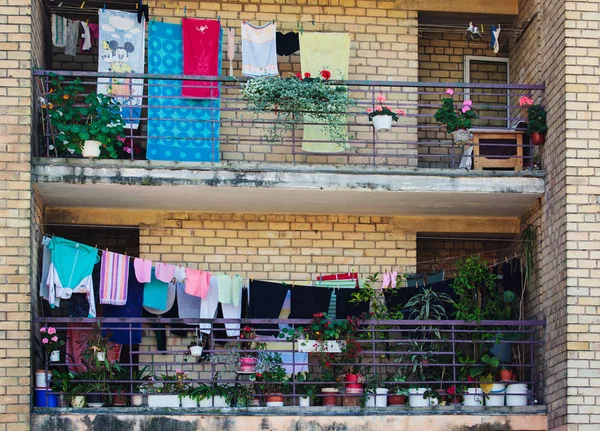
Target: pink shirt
x: 143, y: 270
x: 197, y: 282
x: 164, y: 272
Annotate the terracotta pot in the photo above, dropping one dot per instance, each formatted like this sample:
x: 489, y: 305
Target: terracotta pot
x: 274, y: 398
x: 506, y: 375
x: 537, y: 138
x: 396, y: 400
x: 352, y: 381
x: 119, y: 400
x: 329, y: 396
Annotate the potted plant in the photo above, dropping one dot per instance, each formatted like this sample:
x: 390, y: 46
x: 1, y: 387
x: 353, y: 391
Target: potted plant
x: 93, y: 385
x: 196, y: 345
x: 457, y: 121
x: 307, y: 391
x: 96, y: 347
x: 506, y: 374
x: 165, y: 391
x: 249, y: 349
x: 297, y: 98
x: 62, y: 384
x: 375, y: 391
x: 240, y: 396
x: 211, y: 395
x: 272, y: 380
x: 90, y: 125
x: 140, y: 376
x: 382, y: 116
x: 51, y: 342
x: 398, y: 391
x: 536, y: 121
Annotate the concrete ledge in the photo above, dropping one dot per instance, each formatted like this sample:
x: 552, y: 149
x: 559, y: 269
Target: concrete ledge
x: 292, y: 418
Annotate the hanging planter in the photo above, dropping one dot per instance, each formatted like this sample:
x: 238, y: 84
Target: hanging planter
x: 55, y: 356
x: 536, y: 121
x: 247, y: 364
x: 457, y: 120
x: 91, y: 149
x: 196, y: 351
x: 382, y: 116
x: 382, y: 123
x: 537, y: 138
x: 311, y: 346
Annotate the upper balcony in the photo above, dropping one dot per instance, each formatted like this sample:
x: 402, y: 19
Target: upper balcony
x: 223, y: 142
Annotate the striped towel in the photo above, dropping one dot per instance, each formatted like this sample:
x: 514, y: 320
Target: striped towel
x: 114, y: 276
x: 59, y: 31
x: 259, y: 50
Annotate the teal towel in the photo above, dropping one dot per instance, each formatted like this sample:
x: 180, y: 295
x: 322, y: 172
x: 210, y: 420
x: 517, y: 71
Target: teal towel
x: 155, y: 293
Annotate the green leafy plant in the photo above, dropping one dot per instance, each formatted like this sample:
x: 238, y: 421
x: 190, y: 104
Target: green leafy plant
x: 455, y: 119
x: 272, y: 377
x: 397, y: 384
x: 428, y: 305
x: 308, y: 390
x: 536, y: 120
x: 293, y: 98
x: 381, y: 109
x: 169, y: 383
x: 76, y: 117
x: 475, y: 286
x: 240, y: 396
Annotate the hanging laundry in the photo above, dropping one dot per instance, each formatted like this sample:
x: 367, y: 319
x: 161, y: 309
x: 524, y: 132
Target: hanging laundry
x: 233, y: 308
x: 143, y: 270
x: 180, y: 274
x: 94, y: 31
x: 182, y: 129
x: 72, y: 37
x: 287, y: 44
x: 198, y: 283
x: 59, y: 31
x: 201, y: 54
x: 156, y: 296
x: 342, y: 283
x: 209, y: 305
x: 132, y: 309
x: 121, y: 49
x: 189, y: 306
x: 265, y: 302
x: 308, y: 300
x: 495, y: 38
x: 230, y: 49
x: 435, y: 277
x: 344, y: 306
x: 340, y: 276
x: 225, y: 289
x: 294, y: 362
x: 77, y: 336
x: 114, y: 276
x: 320, y: 51
x: 78, y: 305
x: 164, y: 272
x: 46, y: 261
x: 142, y: 12
x: 86, y: 37
x: 259, y: 50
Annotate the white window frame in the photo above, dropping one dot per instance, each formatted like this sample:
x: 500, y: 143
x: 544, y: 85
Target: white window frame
x: 481, y: 58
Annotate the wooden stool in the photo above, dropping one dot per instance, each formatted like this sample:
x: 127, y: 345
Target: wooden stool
x: 501, y: 156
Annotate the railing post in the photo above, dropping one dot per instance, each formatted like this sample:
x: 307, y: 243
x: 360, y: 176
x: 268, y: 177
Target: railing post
x: 531, y: 367
x: 373, y: 131
x: 294, y: 140
x: 454, y: 363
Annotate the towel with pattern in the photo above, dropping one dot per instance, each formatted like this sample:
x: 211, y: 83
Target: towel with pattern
x: 59, y: 31
x: 201, y: 56
x: 114, y: 277
x: 259, y: 50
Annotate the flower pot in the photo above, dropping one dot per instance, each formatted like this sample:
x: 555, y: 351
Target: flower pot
x: 304, y: 401
x: 506, y: 375
x: 40, y: 379
x: 94, y: 400
x: 219, y: 401
x: 352, y: 381
x: 382, y: 123
x: 119, y: 400
x: 188, y: 403
x: 78, y: 401
x: 495, y: 398
x: 310, y: 346
x: 329, y: 396
x: 415, y: 397
x: 196, y: 351
x: 381, y: 397
x: 473, y: 397
x: 396, y: 400
x: 91, y: 149
x: 163, y: 400
x: 101, y: 356
x: 55, y: 356
x: 461, y: 136
x: 247, y: 365
x: 137, y: 400
x: 44, y: 399
x: 537, y: 138
x: 274, y: 400
x: 352, y: 397
x: 516, y: 395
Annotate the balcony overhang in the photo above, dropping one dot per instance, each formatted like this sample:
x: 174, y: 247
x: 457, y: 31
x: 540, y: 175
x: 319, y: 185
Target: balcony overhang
x: 272, y: 188
x: 508, y: 7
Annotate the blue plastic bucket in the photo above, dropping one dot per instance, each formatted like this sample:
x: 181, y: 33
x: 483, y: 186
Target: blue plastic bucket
x: 44, y: 399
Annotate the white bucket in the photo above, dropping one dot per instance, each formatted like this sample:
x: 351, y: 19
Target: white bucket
x: 473, y: 397
x: 91, y: 149
x: 137, y: 400
x: 382, y: 123
x: 304, y: 402
x: 415, y: 397
x: 381, y: 397
x: 219, y: 401
x: 496, y: 396
x: 40, y: 379
x: 188, y: 403
x: 516, y: 395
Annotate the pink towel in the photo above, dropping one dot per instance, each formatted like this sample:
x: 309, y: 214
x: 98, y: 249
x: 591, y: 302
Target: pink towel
x: 114, y: 276
x: 197, y: 282
x: 143, y: 270
x: 201, y: 45
x: 164, y: 272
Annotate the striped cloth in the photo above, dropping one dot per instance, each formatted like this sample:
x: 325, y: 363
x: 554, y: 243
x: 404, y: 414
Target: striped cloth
x: 259, y: 50
x: 114, y: 276
x: 59, y: 31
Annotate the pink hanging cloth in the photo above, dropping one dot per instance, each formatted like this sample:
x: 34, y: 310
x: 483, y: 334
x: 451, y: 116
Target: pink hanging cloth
x: 201, y: 46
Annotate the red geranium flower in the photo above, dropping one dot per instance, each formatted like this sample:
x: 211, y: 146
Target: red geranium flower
x: 326, y: 74
x: 306, y: 75
x: 299, y: 75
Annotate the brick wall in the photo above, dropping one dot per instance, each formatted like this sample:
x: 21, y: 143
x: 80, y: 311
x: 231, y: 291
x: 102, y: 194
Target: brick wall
x: 383, y: 47
x: 441, y: 59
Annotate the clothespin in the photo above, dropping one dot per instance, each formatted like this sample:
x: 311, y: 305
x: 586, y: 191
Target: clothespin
x: 313, y: 22
x: 273, y: 21
x: 219, y: 18
x: 301, y: 28
x: 177, y: 7
x: 87, y: 21
x: 136, y: 6
x: 103, y: 7
x: 82, y: 4
x: 506, y: 259
x: 60, y: 4
x: 482, y: 30
x: 185, y: 11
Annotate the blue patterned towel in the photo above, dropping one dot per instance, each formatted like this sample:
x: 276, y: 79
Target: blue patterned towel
x: 178, y: 129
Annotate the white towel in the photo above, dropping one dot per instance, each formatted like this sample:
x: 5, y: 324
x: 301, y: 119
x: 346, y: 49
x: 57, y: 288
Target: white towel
x: 72, y: 37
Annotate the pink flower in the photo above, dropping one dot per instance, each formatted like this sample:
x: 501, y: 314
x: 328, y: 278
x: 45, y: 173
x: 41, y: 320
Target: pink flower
x: 55, y: 338
x: 465, y: 109
x: 43, y: 329
x: 127, y: 149
x: 525, y: 101
x: 369, y: 110
x: 51, y: 330
x: 468, y: 102
x: 380, y: 98
x: 449, y: 92
x: 378, y: 108
x: 178, y: 371
x: 45, y: 340
x: 401, y: 112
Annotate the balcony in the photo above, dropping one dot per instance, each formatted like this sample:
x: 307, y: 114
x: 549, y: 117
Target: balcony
x: 415, y: 159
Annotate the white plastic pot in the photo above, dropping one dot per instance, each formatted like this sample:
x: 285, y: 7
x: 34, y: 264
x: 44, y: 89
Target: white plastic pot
x: 219, y: 401
x: 495, y: 398
x: 160, y: 400
x: 78, y: 401
x: 196, y: 351
x: 415, y: 397
x: 101, y: 356
x: 381, y: 397
x: 137, y: 400
x: 516, y: 395
x: 382, y: 123
x: 188, y: 403
x: 40, y: 379
x: 473, y: 397
x: 91, y: 149
x: 55, y: 356
x: 304, y: 401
